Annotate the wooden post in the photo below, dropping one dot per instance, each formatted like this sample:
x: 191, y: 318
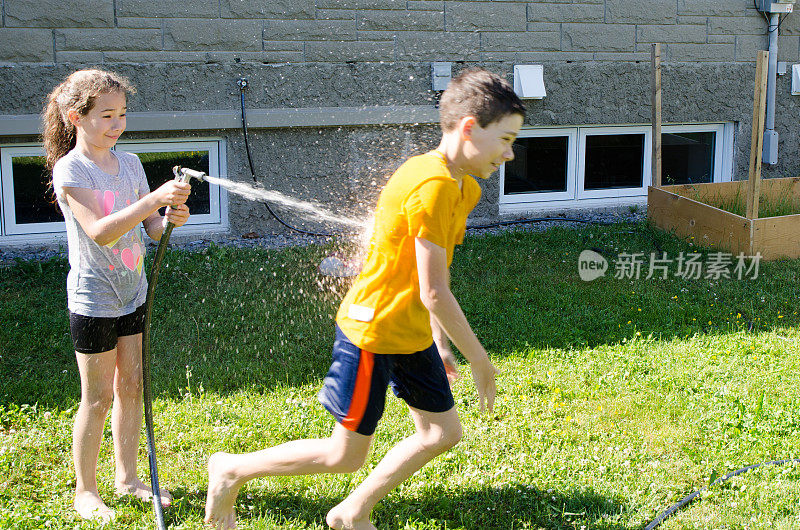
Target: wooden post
x: 655, y: 166
x: 757, y: 138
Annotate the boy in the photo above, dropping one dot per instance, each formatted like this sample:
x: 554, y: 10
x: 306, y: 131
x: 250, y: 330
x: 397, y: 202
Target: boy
x: 389, y: 318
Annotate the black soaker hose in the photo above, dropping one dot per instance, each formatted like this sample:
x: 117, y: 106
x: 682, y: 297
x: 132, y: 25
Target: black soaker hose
x: 689, y: 498
x: 242, y: 82
x: 147, y: 394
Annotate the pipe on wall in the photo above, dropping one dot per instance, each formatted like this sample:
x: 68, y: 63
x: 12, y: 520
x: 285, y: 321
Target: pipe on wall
x: 770, y: 151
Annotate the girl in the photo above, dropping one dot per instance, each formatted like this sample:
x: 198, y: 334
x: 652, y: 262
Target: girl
x: 104, y: 197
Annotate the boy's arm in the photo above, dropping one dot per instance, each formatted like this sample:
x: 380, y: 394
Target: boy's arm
x: 445, y: 352
x: 443, y: 306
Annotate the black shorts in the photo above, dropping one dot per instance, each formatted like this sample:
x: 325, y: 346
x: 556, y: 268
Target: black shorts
x: 99, y: 334
x: 354, y: 390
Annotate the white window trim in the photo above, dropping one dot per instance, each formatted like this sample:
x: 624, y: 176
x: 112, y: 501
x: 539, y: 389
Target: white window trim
x: 583, y: 132
x: 10, y: 225
x: 727, y: 145
x: 214, y: 222
x: 569, y: 194
x: 723, y: 168
x: 218, y: 197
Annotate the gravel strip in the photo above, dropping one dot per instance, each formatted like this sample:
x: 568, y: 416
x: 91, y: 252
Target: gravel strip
x: 9, y: 256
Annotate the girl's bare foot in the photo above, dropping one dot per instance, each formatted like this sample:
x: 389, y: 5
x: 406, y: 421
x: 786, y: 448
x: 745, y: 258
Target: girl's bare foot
x: 222, y: 491
x: 89, y: 505
x: 142, y: 491
x: 342, y: 518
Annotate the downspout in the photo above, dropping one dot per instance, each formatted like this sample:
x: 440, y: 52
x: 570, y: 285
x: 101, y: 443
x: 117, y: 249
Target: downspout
x: 770, y: 152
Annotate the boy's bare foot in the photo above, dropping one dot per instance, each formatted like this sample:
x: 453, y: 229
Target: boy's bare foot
x: 89, y: 505
x: 142, y: 491
x: 341, y: 518
x: 222, y: 491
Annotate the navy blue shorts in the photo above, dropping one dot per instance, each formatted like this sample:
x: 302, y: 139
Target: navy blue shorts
x: 99, y: 334
x: 354, y: 390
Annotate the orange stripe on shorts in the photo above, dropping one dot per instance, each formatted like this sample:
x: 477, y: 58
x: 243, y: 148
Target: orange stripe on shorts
x: 358, y: 404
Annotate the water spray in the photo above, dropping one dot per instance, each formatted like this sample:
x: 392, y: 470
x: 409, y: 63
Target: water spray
x: 181, y: 175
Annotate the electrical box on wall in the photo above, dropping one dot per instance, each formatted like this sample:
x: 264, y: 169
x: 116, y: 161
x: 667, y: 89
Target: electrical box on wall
x: 775, y: 6
x: 441, y: 73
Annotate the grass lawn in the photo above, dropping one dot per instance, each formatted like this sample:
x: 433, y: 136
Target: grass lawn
x: 616, y: 397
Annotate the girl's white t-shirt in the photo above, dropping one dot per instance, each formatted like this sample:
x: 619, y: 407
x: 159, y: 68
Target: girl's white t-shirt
x: 103, y: 280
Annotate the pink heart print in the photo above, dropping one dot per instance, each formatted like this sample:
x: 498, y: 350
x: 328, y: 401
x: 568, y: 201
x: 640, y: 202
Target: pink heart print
x: 131, y: 258
x: 106, y: 200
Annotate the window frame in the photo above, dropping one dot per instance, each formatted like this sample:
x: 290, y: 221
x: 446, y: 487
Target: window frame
x: 8, y: 207
x: 547, y: 196
x: 581, y: 198
x: 215, y: 221
x: 615, y: 193
x: 218, y: 211
x: 722, y: 170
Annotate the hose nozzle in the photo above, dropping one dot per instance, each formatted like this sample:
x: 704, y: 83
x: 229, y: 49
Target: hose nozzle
x: 184, y: 174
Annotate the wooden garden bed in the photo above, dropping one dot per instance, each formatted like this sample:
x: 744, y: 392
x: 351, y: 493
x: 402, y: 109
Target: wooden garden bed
x: 748, y: 217
x: 683, y: 210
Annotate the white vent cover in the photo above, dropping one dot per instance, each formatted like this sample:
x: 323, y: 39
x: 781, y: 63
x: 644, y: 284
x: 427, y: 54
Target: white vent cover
x: 529, y: 81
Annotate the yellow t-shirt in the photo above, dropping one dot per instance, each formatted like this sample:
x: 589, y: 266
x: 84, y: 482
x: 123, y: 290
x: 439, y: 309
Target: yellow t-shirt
x: 382, y: 312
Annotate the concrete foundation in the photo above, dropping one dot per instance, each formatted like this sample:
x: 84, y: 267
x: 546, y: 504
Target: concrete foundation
x: 344, y: 167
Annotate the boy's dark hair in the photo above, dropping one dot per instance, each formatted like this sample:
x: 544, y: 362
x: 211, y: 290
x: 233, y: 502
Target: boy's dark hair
x: 480, y: 93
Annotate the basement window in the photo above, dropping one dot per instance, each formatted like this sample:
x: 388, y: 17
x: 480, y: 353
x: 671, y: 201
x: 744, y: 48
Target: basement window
x: 608, y: 166
x: 689, y: 156
x: 615, y: 162
x: 158, y: 159
x: 27, y: 206
x: 543, y: 164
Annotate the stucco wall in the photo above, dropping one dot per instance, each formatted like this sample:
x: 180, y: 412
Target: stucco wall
x: 354, y: 53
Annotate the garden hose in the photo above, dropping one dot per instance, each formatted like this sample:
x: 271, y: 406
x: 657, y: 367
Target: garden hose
x: 147, y: 395
x: 183, y: 175
x: 242, y: 82
x: 689, y: 498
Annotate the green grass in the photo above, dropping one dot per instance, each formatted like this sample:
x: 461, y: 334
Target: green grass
x: 616, y: 397
x: 783, y: 204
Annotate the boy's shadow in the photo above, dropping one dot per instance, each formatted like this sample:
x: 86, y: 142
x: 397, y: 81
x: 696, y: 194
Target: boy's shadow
x: 506, y: 507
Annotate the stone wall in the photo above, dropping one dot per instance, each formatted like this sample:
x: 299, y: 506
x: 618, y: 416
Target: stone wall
x: 188, y: 56
x: 337, y: 31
